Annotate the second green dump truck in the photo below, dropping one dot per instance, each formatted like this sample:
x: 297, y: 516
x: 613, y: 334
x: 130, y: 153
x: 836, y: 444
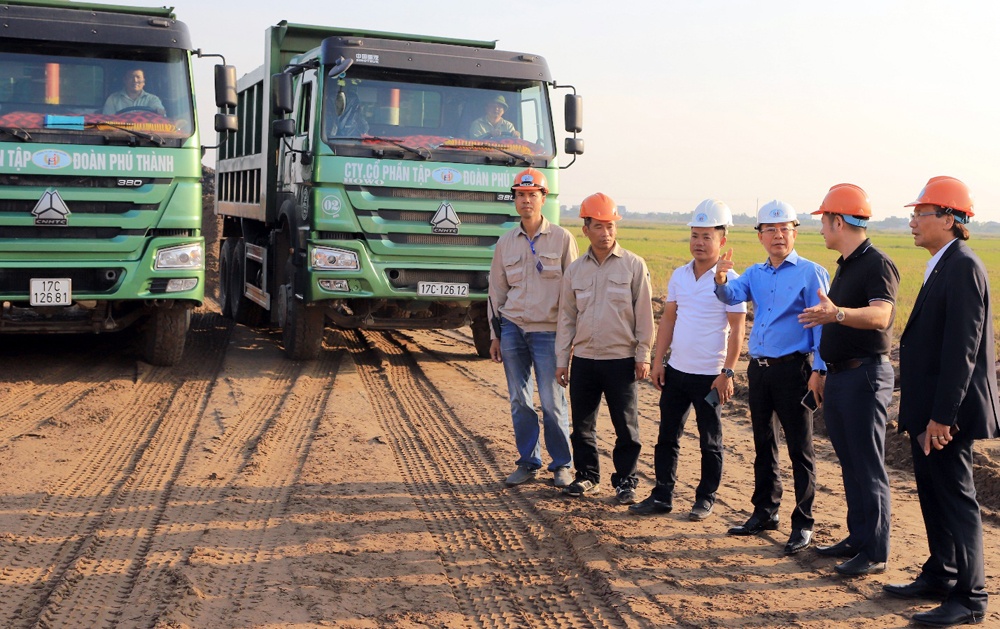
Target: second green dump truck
x: 361, y: 190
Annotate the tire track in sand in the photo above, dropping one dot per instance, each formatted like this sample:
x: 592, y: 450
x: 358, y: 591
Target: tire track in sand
x: 80, y: 548
x: 503, y: 562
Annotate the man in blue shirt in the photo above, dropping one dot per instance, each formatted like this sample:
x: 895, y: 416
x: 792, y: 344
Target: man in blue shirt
x: 780, y: 373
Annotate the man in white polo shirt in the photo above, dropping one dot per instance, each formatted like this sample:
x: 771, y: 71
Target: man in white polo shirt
x: 704, y: 337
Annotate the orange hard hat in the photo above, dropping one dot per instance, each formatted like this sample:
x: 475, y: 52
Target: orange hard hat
x: 600, y: 207
x: 847, y: 200
x: 946, y: 192
x: 530, y: 179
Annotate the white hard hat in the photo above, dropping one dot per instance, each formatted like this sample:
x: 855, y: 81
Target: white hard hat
x: 711, y: 213
x: 776, y: 212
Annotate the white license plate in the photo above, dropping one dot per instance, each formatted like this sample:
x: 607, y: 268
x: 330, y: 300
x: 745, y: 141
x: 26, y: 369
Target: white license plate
x: 442, y: 289
x: 55, y: 291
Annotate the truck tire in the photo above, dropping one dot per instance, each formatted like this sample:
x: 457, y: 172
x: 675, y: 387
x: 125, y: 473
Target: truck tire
x: 481, y: 334
x: 164, y: 335
x: 243, y: 310
x: 301, y: 327
x: 225, y: 273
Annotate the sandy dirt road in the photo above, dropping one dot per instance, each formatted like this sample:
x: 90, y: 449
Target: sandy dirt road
x: 364, y: 489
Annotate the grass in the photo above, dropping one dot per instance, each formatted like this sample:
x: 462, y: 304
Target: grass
x: 665, y: 247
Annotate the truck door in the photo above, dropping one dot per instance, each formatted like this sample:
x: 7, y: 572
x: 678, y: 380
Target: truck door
x: 297, y: 164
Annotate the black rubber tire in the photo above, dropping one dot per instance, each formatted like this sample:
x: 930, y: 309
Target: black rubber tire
x: 164, y: 335
x: 481, y: 335
x: 225, y: 273
x: 302, y: 332
x: 244, y: 311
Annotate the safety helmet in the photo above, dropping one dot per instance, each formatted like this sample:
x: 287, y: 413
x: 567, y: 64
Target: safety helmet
x: 600, y: 207
x: 500, y: 99
x: 776, y: 212
x: 530, y: 179
x: 711, y: 213
x: 848, y: 200
x: 949, y: 193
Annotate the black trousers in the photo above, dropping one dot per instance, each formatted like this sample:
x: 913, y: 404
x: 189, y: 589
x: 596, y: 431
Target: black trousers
x: 615, y: 379
x: 951, y: 516
x: 855, y: 408
x: 680, y: 392
x: 777, y: 391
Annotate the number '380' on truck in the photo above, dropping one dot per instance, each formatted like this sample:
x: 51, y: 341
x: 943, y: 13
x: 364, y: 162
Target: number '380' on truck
x: 100, y: 173
x: 370, y: 180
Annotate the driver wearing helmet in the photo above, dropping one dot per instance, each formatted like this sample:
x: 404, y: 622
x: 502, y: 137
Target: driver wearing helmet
x: 133, y: 96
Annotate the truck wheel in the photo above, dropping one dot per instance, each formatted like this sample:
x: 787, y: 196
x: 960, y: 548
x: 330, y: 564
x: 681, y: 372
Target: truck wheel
x: 165, y: 334
x: 225, y: 273
x: 244, y: 311
x: 301, y: 327
x: 481, y: 335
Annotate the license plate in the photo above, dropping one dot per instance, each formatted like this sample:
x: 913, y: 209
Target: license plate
x: 442, y: 289
x: 57, y: 291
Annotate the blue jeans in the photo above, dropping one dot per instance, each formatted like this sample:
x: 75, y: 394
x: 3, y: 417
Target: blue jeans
x: 520, y: 351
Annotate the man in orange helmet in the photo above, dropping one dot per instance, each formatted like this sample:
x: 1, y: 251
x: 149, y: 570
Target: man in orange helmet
x: 606, y: 323
x: 857, y: 318
x: 525, y: 275
x: 948, y: 399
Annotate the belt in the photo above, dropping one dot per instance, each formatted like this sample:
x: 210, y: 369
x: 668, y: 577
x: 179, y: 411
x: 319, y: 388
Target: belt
x: 854, y: 363
x: 770, y: 362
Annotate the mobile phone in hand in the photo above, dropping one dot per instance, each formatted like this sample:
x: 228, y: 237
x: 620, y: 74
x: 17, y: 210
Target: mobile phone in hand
x: 713, y: 397
x: 809, y: 401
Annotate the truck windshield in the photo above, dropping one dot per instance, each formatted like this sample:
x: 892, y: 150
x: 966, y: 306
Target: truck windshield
x: 446, y: 118
x: 62, y: 94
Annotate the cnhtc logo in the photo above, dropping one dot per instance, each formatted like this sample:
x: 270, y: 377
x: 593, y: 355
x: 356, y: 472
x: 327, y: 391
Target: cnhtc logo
x: 50, y: 209
x: 445, y: 220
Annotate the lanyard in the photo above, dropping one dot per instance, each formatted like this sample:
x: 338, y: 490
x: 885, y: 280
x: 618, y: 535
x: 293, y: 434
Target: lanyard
x: 531, y: 243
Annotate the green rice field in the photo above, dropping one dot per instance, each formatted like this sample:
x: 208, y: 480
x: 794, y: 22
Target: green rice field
x: 665, y: 247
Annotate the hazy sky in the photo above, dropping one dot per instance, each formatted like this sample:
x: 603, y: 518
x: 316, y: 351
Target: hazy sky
x: 744, y: 101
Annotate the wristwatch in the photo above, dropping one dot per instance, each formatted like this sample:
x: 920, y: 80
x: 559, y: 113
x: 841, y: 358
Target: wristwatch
x: 840, y: 315
x: 729, y: 373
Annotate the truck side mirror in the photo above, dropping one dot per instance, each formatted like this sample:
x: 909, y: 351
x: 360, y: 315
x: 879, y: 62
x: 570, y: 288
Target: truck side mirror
x: 226, y: 122
x: 283, y: 127
x: 574, y: 114
x: 281, y: 93
x: 574, y: 146
x: 225, y: 86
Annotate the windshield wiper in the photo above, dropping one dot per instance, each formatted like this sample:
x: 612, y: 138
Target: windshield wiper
x: 17, y: 132
x: 410, y: 149
x: 487, y: 145
x: 122, y: 126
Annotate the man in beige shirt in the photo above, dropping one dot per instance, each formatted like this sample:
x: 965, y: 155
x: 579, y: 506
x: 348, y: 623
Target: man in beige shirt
x: 606, y: 323
x: 525, y: 276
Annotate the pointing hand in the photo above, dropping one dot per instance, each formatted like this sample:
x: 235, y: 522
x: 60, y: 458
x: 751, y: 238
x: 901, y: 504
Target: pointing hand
x: 823, y: 312
x: 723, y: 266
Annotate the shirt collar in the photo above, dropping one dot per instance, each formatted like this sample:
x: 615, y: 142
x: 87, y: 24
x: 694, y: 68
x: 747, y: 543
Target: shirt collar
x: 616, y: 251
x: 544, y: 229
x: 793, y: 258
x: 936, y: 258
x: 861, y: 250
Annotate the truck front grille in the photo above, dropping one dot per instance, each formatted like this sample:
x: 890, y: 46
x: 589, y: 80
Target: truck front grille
x: 9, y: 206
x: 17, y: 281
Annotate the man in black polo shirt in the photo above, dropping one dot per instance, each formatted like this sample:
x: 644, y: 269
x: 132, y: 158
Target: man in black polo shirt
x: 857, y: 321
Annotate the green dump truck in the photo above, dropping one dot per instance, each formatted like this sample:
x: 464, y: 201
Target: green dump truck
x: 100, y: 173
x: 364, y: 187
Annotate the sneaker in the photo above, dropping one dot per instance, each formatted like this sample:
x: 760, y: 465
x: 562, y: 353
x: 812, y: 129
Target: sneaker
x: 562, y: 477
x: 580, y: 487
x: 625, y: 494
x: 702, y: 509
x: 521, y: 475
x: 651, y: 506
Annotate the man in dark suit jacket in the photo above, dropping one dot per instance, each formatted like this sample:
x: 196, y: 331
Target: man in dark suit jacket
x: 948, y: 399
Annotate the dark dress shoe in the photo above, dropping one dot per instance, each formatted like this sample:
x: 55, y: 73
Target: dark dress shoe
x: 859, y: 566
x: 799, y: 541
x: 840, y: 549
x: 949, y: 614
x: 755, y: 525
x: 701, y: 510
x: 650, y: 506
x: 920, y: 588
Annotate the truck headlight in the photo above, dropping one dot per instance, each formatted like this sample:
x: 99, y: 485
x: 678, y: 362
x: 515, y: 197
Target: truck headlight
x: 182, y: 257
x: 329, y: 259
